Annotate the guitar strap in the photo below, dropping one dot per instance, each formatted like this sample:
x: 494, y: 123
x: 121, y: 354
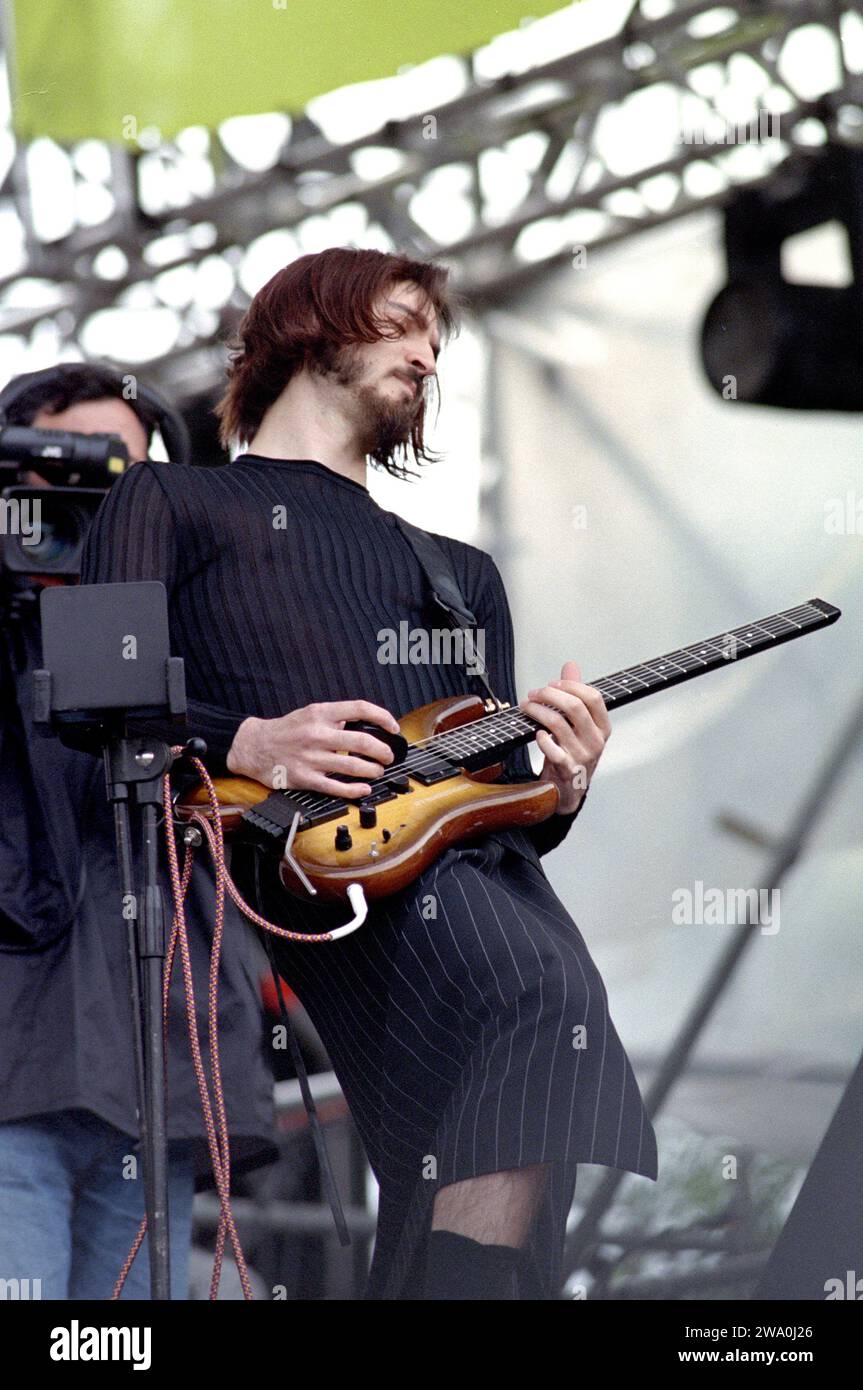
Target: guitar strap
x: 447, y: 594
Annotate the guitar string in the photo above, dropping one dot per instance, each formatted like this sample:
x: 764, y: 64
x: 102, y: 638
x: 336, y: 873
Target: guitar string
x: 464, y: 740
x: 618, y: 678
x: 517, y: 722
x: 654, y: 669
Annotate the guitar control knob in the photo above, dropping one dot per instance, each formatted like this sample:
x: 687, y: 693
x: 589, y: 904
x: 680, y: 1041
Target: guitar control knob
x: 368, y: 817
x: 343, y: 837
x: 399, y: 783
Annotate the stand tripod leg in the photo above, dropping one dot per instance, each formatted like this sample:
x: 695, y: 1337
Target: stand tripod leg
x: 146, y: 957
x: 152, y: 954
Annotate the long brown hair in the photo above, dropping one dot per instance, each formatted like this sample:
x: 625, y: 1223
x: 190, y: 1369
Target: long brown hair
x: 305, y: 314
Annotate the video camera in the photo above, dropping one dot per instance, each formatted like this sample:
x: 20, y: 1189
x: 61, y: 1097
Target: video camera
x: 43, y: 529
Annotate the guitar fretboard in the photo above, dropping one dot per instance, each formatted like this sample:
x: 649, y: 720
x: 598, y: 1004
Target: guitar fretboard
x: 511, y: 727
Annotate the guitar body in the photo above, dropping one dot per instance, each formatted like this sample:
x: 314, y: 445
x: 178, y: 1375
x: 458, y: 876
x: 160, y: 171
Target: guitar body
x: 421, y: 823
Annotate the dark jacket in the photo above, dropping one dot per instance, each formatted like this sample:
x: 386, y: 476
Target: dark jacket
x: 65, y: 1030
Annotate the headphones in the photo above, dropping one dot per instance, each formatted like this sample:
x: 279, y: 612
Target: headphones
x: 169, y: 421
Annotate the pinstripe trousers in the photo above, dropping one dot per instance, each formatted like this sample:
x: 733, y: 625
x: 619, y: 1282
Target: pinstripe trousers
x: 470, y: 1031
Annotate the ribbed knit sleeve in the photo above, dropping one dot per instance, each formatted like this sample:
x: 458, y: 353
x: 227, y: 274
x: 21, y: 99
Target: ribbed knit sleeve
x: 135, y: 536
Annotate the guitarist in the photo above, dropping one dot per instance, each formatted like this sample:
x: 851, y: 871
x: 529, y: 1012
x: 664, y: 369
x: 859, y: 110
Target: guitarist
x: 466, y: 1020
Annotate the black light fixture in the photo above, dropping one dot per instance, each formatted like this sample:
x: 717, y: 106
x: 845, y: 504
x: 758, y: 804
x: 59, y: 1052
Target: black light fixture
x: 766, y: 340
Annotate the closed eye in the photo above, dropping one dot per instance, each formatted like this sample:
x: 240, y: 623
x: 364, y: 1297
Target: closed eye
x: 417, y: 320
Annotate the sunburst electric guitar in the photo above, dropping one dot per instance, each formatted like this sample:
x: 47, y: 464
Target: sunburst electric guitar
x: 440, y: 789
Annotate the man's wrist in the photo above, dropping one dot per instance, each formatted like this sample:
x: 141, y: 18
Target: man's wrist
x: 572, y: 810
x: 240, y: 754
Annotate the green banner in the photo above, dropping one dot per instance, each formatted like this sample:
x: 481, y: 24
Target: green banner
x: 109, y: 68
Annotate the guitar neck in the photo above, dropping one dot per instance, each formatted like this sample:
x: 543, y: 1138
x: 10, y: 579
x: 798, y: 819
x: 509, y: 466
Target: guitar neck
x: 491, y: 738
x: 635, y: 682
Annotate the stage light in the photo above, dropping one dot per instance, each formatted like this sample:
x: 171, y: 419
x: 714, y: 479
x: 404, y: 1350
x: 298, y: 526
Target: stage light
x: 793, y: 346
x: 766, y: 340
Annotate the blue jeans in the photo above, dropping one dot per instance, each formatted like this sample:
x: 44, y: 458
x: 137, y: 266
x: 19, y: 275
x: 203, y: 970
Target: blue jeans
x: 70, y: 1204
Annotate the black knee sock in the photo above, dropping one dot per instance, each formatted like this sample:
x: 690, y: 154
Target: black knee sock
x: 460, y: 1268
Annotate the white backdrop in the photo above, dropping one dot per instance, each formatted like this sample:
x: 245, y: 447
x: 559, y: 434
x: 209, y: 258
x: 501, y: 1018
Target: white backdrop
x: 701, y: 515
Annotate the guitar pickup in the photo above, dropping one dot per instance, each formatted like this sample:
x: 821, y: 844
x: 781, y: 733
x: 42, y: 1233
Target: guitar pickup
x: 379, y: 794
x: 434, y: 770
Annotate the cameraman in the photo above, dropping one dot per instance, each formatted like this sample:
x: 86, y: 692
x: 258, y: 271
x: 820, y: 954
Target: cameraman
x: 71, y: 1178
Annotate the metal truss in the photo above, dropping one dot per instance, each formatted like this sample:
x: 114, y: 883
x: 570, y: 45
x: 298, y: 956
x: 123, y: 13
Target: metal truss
x: 588, y: 149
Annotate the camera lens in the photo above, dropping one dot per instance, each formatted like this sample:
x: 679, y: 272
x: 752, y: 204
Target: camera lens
x: 61, y: 535
x: 49, y: 530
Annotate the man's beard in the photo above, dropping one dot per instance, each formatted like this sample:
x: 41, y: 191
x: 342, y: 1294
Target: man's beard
x: 382, y: 425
